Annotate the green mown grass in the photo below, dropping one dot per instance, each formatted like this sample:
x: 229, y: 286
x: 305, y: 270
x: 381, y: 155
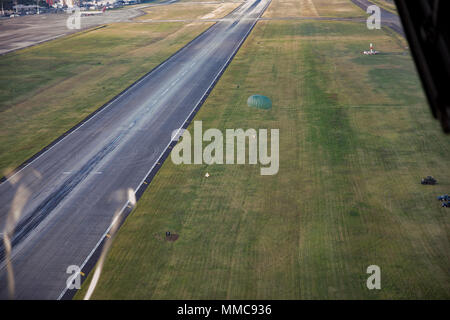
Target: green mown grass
x: 313, y: 8
x: 188, y: 11
x: 356, y: 136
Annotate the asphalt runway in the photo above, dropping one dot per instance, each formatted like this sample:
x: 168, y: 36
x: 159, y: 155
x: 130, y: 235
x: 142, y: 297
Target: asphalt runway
x: 387, y: 18
x: 24, y: 31
x: 77, y: 186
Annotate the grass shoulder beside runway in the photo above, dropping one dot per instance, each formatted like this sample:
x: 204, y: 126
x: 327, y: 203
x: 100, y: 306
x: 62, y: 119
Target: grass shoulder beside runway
x: 186, y: 10
x: 356, y: 137
x: 386, y: 4
x: 48, y: 88
x: 312, y: 8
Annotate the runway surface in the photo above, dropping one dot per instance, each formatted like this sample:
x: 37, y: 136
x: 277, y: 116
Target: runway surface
x: 24, y: 31
x: 77, y: 186
x: 387, y: 18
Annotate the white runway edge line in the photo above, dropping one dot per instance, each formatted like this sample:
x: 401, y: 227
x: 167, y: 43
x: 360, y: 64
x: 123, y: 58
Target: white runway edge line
x: 167, y: 146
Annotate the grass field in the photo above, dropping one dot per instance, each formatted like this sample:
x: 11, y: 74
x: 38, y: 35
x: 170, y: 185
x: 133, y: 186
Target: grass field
x: 356, y: 137
x: 47, y: 89
x: 187, y: 10
x: 312, y: 8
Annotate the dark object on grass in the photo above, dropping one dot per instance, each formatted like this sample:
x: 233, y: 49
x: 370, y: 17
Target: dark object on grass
x: 445, y: 197
x: 446, y: 204
x: 428, y: 180
x: 172, y: 237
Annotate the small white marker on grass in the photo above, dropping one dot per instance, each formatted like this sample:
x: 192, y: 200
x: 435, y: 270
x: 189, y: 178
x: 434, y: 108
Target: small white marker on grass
x: 207, y: 175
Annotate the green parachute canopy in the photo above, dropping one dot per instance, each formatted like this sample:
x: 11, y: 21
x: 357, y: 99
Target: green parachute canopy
x: 259, y: 101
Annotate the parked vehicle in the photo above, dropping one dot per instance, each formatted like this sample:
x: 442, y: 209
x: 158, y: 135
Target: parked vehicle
x: 429, y: 180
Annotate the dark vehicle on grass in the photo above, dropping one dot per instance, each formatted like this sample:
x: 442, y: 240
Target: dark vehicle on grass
x: 429, y: 180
